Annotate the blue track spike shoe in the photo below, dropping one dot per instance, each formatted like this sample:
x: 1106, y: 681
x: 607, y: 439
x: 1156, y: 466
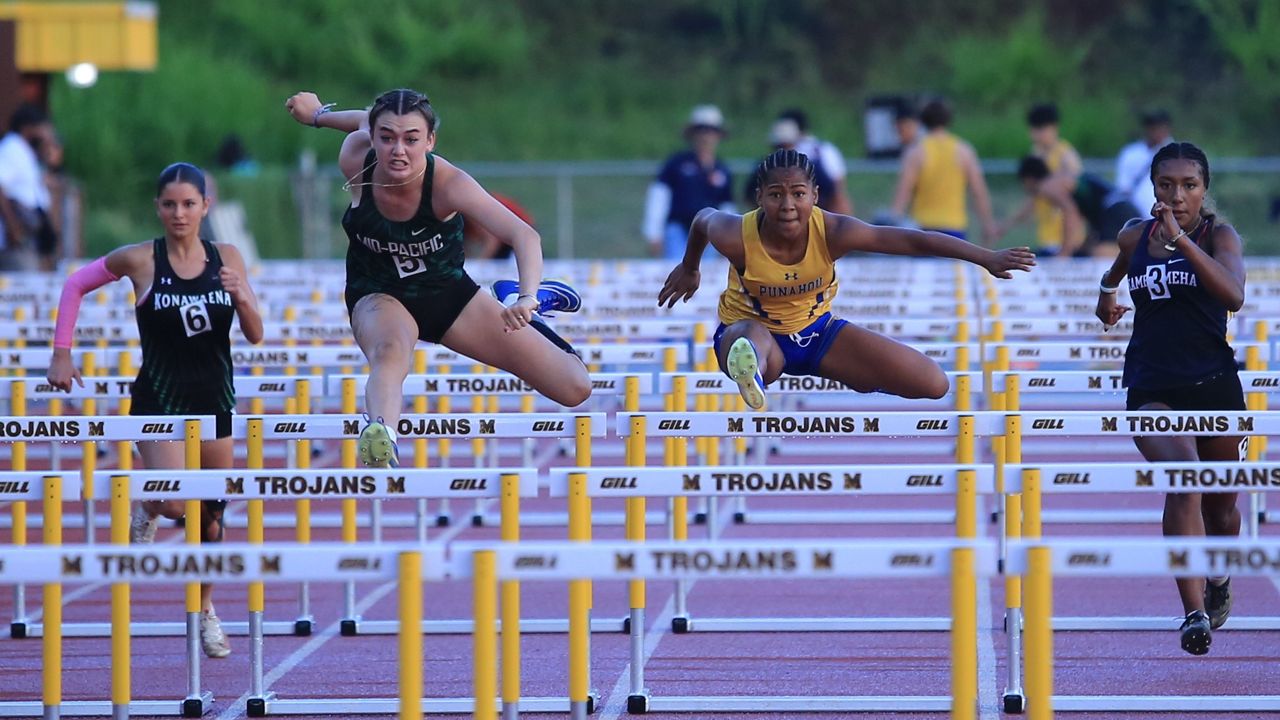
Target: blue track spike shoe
x: 377, y: 446
x: 744, y: 367
x: 1196, y: 634
x: 1217, y: 602
x: 554, y: 296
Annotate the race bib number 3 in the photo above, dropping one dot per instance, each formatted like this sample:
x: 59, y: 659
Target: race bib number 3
x: 195, y: 318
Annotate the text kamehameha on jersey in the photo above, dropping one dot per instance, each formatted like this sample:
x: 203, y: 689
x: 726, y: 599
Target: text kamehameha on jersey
x: 417, y: 249
x: 1158, y: 279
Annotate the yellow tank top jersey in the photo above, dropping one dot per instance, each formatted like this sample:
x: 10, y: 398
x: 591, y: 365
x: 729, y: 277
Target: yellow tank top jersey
x: 786, y: 298
x: 1049, y: 217
x: 939, y: 198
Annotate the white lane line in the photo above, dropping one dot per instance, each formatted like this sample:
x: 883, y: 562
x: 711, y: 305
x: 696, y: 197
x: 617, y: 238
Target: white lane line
x: 988, y: 679
x: 615, y: 703
x: 237, y: 708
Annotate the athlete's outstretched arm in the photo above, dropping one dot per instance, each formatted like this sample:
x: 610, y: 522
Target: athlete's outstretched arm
x: 306, y: 108
x: 132, y: 261
x: 456, y: 191
x: 848, y: 234
x: 724, y: 231
x: 1109, y: 311
x: 236, y: 282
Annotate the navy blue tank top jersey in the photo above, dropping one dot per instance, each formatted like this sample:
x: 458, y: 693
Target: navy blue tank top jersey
x: 185, y: 328
x: 408, y: 259
x: 1179, y: 331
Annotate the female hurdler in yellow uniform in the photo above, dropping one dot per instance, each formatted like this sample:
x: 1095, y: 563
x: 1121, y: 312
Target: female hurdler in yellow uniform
x: 775, y: 314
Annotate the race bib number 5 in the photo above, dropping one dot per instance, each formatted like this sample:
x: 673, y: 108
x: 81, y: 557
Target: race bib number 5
x: 407, y: 266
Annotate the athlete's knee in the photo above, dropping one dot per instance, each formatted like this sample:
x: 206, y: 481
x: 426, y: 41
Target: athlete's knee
x: 172, y: 509
x: 575, y: 390
x: 389, y: 352
x: 937, y: 385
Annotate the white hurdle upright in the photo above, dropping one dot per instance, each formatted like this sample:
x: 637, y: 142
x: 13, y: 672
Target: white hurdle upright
x: 1040, y: 560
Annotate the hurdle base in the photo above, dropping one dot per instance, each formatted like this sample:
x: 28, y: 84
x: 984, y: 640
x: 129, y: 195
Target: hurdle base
x: 843, y: 517
x: 92, y: 708
x: 257, y: 706
x: 1167, y: 703
x: 349, y: 627
x: 18, y: 629
x: 1087, y: 624
x: 681, y: 624
x: 391, y: 706
x: 233, y: 628
x: 638, y: 703
x: 304, y: 626
x: 1014, y: 704
x: 541, y: 626
x: 194, y: 707
x: 784, y: 704
x: 831, y: 624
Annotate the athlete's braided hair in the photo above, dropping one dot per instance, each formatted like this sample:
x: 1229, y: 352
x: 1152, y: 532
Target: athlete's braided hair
x: 1181, y: 151
x: 785, y: 159
x: 403, y: 101
x: 1188, y: 151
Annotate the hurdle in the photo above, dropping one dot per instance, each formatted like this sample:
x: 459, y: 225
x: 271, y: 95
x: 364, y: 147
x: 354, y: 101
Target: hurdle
x: 229, y: 563
x: 962, y: 561
x: 1040, y: 561
x: 17, y: 431
x: 1024, y: 519
x: 639, y: 426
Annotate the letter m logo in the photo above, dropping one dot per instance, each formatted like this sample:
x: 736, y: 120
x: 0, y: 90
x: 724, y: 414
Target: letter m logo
x: 487, y: 426
x: 235, y: 486
x: 693, y: 483
x: 395, y: 485
x: 1177, y: 559
x: 871, y: 424
x: 1245, y: 424
x: 624, y: 562
x: 1109, y: 423
x: 351, y: 428
x: 735, y: 424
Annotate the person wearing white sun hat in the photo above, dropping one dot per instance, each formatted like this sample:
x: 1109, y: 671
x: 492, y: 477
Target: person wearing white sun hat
x: 688, y: 181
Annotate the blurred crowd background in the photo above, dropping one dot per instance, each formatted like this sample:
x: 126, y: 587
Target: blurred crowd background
x: 570, y: 108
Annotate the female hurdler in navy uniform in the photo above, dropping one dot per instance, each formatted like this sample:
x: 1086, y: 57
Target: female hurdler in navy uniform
x: 1185, y: 274
x: 188, y: 290
x: 405, y: 280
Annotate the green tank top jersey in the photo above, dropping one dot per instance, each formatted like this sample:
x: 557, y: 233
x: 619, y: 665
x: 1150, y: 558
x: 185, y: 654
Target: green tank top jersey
x: 403, y: 259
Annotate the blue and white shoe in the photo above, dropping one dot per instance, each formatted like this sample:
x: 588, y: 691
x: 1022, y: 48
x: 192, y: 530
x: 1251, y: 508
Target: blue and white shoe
x: 744, y: 367
x: 553, y: 296
x: 377, y: 446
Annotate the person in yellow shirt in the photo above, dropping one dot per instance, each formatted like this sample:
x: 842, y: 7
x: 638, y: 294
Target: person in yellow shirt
x: 775, y: 314
x: 935, y: 174
x: 1064, y: 162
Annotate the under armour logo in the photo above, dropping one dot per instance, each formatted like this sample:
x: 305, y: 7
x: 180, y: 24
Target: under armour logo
x: 166, y: 281
x: 791, y: 276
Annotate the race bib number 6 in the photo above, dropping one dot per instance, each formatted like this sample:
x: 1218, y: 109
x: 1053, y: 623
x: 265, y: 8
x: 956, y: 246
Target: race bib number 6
x: 195, y: 318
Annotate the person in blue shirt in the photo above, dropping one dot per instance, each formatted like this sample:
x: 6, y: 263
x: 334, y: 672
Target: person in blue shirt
x: 689, y: 181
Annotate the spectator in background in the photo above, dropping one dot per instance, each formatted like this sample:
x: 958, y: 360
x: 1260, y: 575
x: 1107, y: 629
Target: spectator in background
x: 1061, y: 159
x: 233, y: 157
x: 480, y: 244
x: 907, y: 123
x: 1093, y: 211
x: 935, y: 173
x: 689, y: 181
x: 789, y: 132
x: 24, y: 198
x: 1133, y: 166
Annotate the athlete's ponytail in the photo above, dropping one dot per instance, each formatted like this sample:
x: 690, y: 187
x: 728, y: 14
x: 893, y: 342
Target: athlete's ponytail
x: 181, y: 172
x: 402, y: 102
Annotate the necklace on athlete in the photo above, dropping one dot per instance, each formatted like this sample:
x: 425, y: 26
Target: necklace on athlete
x: 1171, y: 244
x: 349, y: 184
